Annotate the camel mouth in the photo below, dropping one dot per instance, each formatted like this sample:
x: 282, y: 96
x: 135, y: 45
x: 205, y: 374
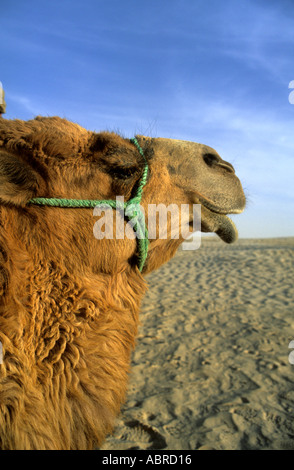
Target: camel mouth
x: 226, y: 228
x: 214, y: 218
x: 213, y: 207
x: 218, y: 223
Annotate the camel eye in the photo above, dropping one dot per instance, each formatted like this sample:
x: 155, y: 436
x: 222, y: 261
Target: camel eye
x: 123, y: 173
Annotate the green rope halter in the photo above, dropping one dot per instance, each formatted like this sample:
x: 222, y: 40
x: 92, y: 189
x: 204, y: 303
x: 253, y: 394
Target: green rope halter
x: 130, y: 209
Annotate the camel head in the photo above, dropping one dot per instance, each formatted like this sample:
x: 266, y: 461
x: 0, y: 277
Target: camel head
x: 51, y: 157
x: 185, y: 172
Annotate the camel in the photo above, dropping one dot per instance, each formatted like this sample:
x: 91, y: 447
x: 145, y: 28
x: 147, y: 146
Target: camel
x: 70, y: 302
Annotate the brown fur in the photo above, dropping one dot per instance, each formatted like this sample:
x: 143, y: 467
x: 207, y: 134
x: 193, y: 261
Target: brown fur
x: 70, y: 303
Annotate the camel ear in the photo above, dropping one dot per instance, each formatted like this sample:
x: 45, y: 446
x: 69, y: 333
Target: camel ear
x: 18, y: 181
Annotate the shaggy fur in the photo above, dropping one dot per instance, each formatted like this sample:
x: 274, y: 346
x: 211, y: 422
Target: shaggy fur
x: 69, y: 303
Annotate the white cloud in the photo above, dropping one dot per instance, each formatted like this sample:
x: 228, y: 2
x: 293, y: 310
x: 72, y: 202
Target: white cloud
x: 25, y: 103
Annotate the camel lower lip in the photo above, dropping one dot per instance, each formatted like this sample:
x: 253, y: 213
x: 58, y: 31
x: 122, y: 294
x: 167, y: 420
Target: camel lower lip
x: 220, y: 224
x: 227, y: 230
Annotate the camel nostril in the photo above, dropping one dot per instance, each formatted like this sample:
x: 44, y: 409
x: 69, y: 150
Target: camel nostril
x: 211, y: 159
x: 215, y: 161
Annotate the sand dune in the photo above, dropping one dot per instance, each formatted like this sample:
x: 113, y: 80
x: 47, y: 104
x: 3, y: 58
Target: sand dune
x: 211, y: 368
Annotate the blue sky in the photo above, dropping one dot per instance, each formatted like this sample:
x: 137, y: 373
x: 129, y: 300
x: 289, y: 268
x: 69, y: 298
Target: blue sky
x: 207, y: 71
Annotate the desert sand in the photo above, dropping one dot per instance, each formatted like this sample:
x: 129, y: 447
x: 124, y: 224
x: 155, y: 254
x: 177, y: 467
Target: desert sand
x: 211, y: 367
